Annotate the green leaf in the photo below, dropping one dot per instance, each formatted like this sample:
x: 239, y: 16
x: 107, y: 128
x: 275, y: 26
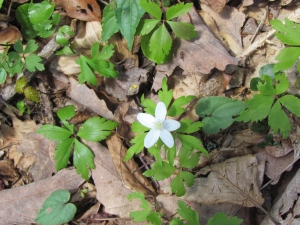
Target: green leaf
x: 109, y: 22
x: 188, y: 214
x: 86, y: 73
x: 218, y: 112
x: 31, y: 94
x: 155, y: 218
x: 21, y: 107
x: 165, y: 95
x: 287, y: 58
x: 15, y: 63
x: 282, y: 84
x: 191, y: 142
x: 26, y: 26
x: 176, y: 221
x: 54, y: 133
x: 188, y: 178
x: 187, y: 158
x: 20, y: 84
x: 55, y: 209
x: 265, y: 87
x: 258, y: 108
x: 278, y: 120
x: 288, y: 33
x: 151, y: 8
x: 66, y: 112
x: 40, y: 12
x: 176, y: 107
x: 137, y: 127
x: 188, y: 126
x: 128, y: 15
x: 137, y: 147
x: 292, y: 103
x: 106, y: 52
x: 177, y: 185
x: 160, y: 171
x: 178, y: 10
x: 222, y: 218
x: 60, y: 36
x: 149, y: 105
x: 1, y: 2
x: 31, y: 47
x: 267, y: 70
x: 3, y: 75
x: 140, y: 215
x: 83, y: 159
x: 146, y: 26
x: 63, y: 152
x: 160, y: 44
x: 171, y: 154
x: 183, y: 30
x: 32, y: 63
x: 19, y: 47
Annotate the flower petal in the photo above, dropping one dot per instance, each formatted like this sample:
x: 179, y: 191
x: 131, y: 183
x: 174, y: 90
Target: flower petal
x: 171, y: 125
x: 146, y: 119
x: 167, y: 138
x: 160, y: 111
x: 151, y: 138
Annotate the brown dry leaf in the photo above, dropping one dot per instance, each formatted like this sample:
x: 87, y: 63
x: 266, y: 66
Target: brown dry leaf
x: 10, y: 135
x: 286, y: 207
x: 234, y: 181
x: 66, y: 64
x: 8, y: 171
x: 9, y: 35
x: 229, y: 23
x: 20, y: 205
x: 86, y: 10
x: 278, y: 151
x: 215, y: 5
x: 87, y: 97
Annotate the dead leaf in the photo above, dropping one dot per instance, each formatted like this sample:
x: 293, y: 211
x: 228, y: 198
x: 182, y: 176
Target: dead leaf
x: 234, y: 181
x: 278, y: 151
x: 86, y: 10
x: 9, y: 35
x: 20, y: 205
x: 8, y: 171
x: 67, y: 64
x: 10, y: 135
x: 215, y: 5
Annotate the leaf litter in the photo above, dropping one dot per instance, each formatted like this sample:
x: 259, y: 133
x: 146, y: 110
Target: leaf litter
x: 229, y: 181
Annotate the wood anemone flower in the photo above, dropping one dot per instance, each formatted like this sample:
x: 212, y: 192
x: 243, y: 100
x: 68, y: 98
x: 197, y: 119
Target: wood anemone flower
x: 159, y: 126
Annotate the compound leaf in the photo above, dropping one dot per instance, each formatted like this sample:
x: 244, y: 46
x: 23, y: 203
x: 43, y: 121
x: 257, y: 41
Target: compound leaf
x: 26, y: 26
x: 188, y: 126
x: 40, y: 12
x: 176, y: 107
x: 265, y: 86
x: 187, y: 158
x: 164, y: 94
x: 282, y: 84
x: 140, y: 215
x: 222, y: 218
x: 288, y: 33
x: 63, y: 152
x: 137, y: 147
x: 106, y: 52
x: 177, y: 185
x: 178, y: 10
x: 183, y: 30
x: 292, y: 103
x: 287, y: 58
x: 154, y: 218
x: 109, y: 23
x: 19, y: 47
x: 191, y: 142
x: 31, y: 47
x: 83, y: 159
x: 55, y: 209
x: 86, y: 73
x: 146, y: 26
x: 137, y: 127
x: 151, y: 8
x: 54, y: 133
x: 160, y: 171
x: 188, y: 214
x: 149, y: 105
x: 32, y: 63
x: 66, y: 112
x: 60, y: 36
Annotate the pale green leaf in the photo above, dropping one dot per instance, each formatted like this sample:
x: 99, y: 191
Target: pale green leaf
x: 176, y: 221
x: 188, y: 214
x: 288, y: 33
x: 176, y: 107
x: 265, y: 86
x: 183, y: 30
x: 287, y: 58
x: 292, y: 103
x: 18, y: 46
x: 146, y: 26
x: 188, y: 126
x: 3, y: 75
x: 282, y: 84
x: 188, y: 177
x: 178, y: 10
x: 60, y: 36
x: 66, y: 112
x: 137, y: 127
x: 160, y: 171
x: 40, y: 12
x: 106, y: 52
x: 32, y: 63
x: 222, y: 218
x: 63, y: 152
x: 149, y: 105
x: 109, y: 22
x: 191, y: 142
x: 187, y: 158
x: 86, y: 73
x: 177, y: 185
x: 140, y: 215
x: 31, y: 47
x: 164, y: 94
x: 54, y: 133
x: 137, y: 147
x: 151, y: 8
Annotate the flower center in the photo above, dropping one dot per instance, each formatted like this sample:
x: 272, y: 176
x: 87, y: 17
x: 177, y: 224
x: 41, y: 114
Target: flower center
x: 158, y: 125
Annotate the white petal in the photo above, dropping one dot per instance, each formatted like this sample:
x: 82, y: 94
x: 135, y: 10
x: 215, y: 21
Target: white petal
x: 160, y: 111
x: 171, y: 125
x: 167, y: 138
x: 146, y: 119
x: 151, y: 138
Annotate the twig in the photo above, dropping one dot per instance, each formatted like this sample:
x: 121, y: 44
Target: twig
x: 260, y: 24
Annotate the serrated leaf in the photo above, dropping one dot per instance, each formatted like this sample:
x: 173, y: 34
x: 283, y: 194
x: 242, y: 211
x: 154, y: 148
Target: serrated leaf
x: 137, y: 147
x: 178, y: 10
x: 86, y: 73
x: 66, y: 112
x: 160, y: 171
x: 177, y: 185
x: 282, y: 84
x: 191, y: 142
x: 140, y: 215
x: 188, y: 177
x: 176, y: 107
x: 154, y: 218
x: 15, y: 63
x: 164, y: 94
x: 187, y: 213
x: 31, y: 47
x: 128, y: 15
x: 31, y: 94
x: 187, y: 158
x: 188, y: 126
x: 63, y: 152
x: 287, y: 58
x: 146, y: 26
x: 60, y: 36
x: 151, y: 8
x: 106, y: 52
x: 222, y: 218
x: 278, y: 120
x: 19, y: 47
x: 218, y: 112
x: 137, y: 127
x: 55, y: 209
x: 96, y: 129
x: 288, y: 33
x: 292, y: 103
x: 54, y: 133
x: 40, y: 12
x: 32, y: 63
x: 109, y: 23
x: 183, y: 30
x: 265, y: 87
x: 149, y: 105
x: 26, y: 26
x: 83, y: 159
x: 258, y: 108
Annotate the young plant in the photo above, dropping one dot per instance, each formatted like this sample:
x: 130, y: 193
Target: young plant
x: 154, y: 121
x: 29, y: 92
x: 94, y: 129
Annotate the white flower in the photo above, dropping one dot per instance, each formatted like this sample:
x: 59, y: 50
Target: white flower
x: 160, y: 127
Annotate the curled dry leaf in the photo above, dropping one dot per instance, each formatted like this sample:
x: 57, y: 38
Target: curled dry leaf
x: 9, y: 35
x: 86, y: 10
x: 215, y: 5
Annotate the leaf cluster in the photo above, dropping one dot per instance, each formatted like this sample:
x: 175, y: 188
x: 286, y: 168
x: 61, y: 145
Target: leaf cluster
x: 188, y: 154
x: 93, y: 129
x: 271, y: 104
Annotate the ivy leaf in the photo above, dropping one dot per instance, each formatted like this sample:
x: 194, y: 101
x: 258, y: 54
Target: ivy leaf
x: 63, y: 152
x: 146, y: 26
x: 137, y: 147
x: 282, y: 84
x: 54, y: 133
x: 292, y: 103
x: 222, y: 218
x: 32, y: 63
x: 176, y: 107
x: 278, y: 120
x: 188, y: 214
x: 258, y: 108
x: 218, y: 112
x: 140, y: 215
x: 287, y: 58
x: 96, y: 129
x: 188, y: 159
x: 55, y: 209
x: 183, y: 30
x: 151, y: 8
x: 188, y: 126
x: 128, y: 15
x: 83, y: 159
x: 190, y: 142
x: 165, y: 95
x: 160, y: 171
x: 31, y: 47
x: 109, y: 22
x: 178, y: 10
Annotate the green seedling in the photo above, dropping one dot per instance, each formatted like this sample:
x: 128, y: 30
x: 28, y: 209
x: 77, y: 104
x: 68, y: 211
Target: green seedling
x: 94, y: 129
